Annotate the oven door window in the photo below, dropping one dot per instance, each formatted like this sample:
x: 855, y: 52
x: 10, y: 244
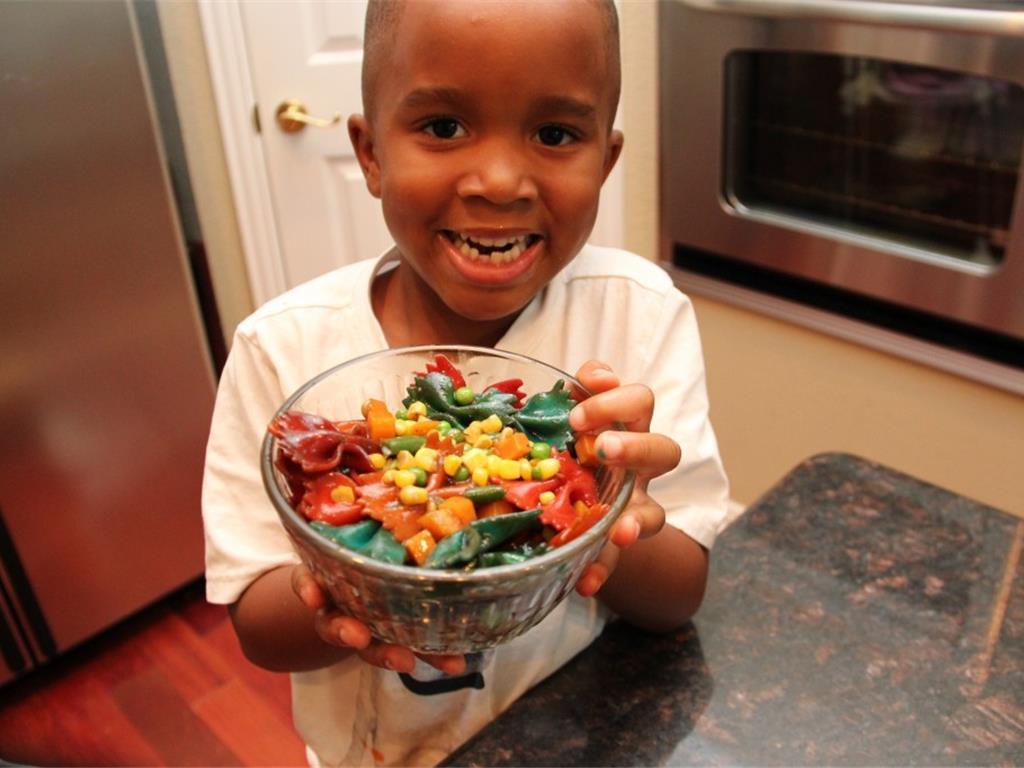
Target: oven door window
x: 918, y: 159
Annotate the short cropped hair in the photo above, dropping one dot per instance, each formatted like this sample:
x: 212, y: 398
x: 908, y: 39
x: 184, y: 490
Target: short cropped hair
x: 382, y: 20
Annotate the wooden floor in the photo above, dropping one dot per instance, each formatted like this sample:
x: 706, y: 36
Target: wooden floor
x: 167, y: 687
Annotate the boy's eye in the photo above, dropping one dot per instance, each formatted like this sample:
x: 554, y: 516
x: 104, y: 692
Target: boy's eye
x: 444, y: 128
x: 554, y: 135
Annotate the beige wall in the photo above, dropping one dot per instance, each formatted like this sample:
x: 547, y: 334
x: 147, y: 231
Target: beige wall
x: 780, y: 393
x: 207, y: 166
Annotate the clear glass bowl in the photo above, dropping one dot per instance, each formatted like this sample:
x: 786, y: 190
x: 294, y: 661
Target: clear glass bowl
x: 430, y: 610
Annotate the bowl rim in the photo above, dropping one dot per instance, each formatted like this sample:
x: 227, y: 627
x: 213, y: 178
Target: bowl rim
x: 414, y: 574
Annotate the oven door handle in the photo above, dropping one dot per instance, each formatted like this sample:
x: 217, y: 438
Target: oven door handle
x: 969, y: 20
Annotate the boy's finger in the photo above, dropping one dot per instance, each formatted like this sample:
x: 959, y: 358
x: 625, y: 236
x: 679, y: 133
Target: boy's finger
x: 631, y: 404
x: 351, y: 632
x: 450, y: 665
x: 643, y: 517
x: 597, y: 376
x: 625, y: 531
x: 388, y: 656
x: 647, y: 453
x: 596, y: 574
x: 308, y: 591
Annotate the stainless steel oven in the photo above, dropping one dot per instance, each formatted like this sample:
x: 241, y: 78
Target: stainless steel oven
x: 865, y: 157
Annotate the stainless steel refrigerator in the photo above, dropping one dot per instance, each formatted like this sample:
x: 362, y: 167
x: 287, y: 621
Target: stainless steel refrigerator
x: 106, y: 382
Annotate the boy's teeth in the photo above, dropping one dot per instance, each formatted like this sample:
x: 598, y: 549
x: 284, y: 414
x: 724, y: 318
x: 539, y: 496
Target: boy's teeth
x: 495, y: 250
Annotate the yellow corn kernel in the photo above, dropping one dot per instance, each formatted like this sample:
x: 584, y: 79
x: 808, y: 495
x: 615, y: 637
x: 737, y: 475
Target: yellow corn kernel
x: 508, y: 469
x: 483, y: 442
x: 403, y: 427
x: 388, y: 476
x: 404, y: 478
x: 411, y: 495
x: 452, y: 464
x: 546, y: 498
x: 548, y: 468
x: 416, y: 409
x: 491, y: 425
x: 506, y: 433
x: 404, y: 460
x: 377, y: 460
x: 493, y: 463
x: 426, y: 459
x: 525, y: 469
x: 472, y: 432
x: 474, y: 458
x: 481, y: 476
x: 343, y: 493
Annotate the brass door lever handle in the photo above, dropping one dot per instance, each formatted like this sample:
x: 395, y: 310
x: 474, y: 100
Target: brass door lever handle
x: 292, y: 117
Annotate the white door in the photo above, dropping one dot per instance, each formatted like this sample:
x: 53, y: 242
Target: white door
x: 310, y: 51
x: 303, y: 206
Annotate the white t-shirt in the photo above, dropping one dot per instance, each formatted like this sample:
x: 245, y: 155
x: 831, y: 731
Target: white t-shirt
x: 608, y: 305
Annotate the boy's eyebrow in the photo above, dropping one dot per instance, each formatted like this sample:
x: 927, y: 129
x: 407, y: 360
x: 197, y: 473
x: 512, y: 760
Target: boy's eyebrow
x: 419, y: 97
x: 427, y: 96
x: 567, y: 105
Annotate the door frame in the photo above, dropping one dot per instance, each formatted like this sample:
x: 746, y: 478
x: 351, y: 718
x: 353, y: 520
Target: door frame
x: 235, y: 96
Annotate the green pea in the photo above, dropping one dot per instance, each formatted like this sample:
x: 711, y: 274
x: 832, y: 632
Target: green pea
x: 456, y: 435
x: 540, y: 451
x: 464, y: 395
x: 420, y: 474
x: 443, y: 428
x: 461, y: 475
x: 402, y: 414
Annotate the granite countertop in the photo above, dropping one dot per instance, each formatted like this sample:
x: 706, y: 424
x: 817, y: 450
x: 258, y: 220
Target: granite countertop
x: 854, y: 616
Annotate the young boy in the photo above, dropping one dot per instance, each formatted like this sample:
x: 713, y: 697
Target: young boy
x: 487, y: 135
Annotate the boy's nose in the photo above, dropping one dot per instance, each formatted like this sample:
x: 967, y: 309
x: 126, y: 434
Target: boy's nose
x: 499, y: 177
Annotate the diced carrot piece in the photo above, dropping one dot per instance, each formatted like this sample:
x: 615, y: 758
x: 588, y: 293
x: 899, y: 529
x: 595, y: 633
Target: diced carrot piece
x: 513, y: 446
x: 422, y: 426
x: 462, y: 508
x: 499, y: 507
x: 420, y: 546
x: 441, y: 522
x: 379, y: 420
x: 402, y: 521
x: 586, y: 450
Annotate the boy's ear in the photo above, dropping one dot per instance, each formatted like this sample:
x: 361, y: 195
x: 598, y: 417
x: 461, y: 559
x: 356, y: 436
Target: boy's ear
x: 361, y: 135
x: 615, y: 140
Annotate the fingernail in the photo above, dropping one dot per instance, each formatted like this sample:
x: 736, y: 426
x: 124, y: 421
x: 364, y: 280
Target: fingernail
x: 632, y: 528
x: 588, y: 585
x: 348, y: 636
x: 576, y: 418
x: 609, y: 447
x: 308, y: 593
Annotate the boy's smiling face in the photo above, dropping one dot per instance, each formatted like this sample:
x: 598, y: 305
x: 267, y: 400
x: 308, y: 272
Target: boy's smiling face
x: 488, y: 142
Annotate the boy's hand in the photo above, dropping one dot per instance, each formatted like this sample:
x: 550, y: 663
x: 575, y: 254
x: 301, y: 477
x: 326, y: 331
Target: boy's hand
x: 647, y: 454
x: 336, y: 628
